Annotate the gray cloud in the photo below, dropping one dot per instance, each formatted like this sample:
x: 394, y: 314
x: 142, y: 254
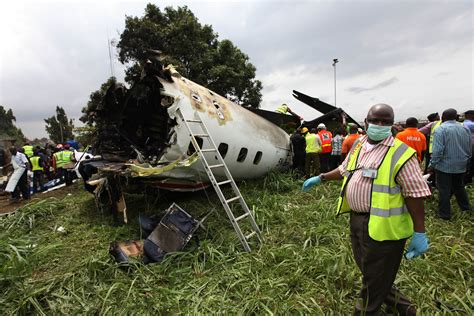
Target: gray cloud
x: 56, y: 54
x: 379, y: 85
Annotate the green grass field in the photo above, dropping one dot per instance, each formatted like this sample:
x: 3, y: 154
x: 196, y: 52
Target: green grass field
x: 304, y: 266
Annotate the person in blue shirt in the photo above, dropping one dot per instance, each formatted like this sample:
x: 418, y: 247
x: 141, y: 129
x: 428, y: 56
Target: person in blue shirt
x: 469, y: 123
x: 452, y: 151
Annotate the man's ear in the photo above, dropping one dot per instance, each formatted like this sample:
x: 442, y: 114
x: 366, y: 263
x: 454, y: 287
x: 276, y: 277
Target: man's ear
x: 366, y: 125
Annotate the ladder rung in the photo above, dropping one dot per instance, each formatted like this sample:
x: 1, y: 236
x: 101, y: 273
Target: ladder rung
x: 233, y: 199
x: 208, y: 150
x: 200, y: 135
x: 216, y: 166
x: 224, y: 182
x: 194, y: 121
x: 250, y: 235
x: 241, y: 217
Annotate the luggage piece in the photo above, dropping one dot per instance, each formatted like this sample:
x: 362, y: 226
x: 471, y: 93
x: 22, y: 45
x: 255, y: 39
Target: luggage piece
x: 172, y: 234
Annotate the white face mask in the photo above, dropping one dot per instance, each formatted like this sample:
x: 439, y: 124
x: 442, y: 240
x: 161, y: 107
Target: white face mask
x: 378, y: 133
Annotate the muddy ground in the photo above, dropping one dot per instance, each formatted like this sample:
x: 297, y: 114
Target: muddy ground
x: 7, y: 207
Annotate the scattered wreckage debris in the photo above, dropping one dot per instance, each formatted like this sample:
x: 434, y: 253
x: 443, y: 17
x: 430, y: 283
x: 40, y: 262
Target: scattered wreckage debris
x: 144, y: 138
x: 171, y: 234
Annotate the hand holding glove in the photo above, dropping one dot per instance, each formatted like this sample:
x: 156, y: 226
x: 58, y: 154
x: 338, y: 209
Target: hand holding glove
x: 418, y: 245
x: 311, y: 182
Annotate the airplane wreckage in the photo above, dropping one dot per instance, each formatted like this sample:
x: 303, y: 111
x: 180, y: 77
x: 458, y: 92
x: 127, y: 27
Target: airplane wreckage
x: 155, y: 132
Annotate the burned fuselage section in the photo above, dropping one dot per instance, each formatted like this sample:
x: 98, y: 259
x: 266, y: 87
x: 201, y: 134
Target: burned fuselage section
x: 141, y: 136
x: 134, y: 123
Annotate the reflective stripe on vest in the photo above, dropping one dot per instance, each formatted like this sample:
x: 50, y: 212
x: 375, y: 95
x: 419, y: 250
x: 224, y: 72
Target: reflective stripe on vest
x: 433, y: 128
x: 389, y: 217
x: 311, y: 145
x: 28, y: 150
x: 326, y: 141
x: 67, y: 156
x: 35, y: 166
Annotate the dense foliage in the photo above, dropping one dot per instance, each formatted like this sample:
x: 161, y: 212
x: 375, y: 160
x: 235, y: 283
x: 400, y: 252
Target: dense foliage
x: 194, y: 49
x: 58, y: 127
x: 8, y: 130
x: 95, y: 99
x: 304, y: 266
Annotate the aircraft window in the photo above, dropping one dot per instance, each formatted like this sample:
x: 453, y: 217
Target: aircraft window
x: 191, y: 149
x: 195, y: 96
x: 242, y: 154
x: 223, y: 147
x: 257, y: 158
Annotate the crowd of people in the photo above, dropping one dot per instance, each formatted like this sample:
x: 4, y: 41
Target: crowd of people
x: 383, y: 190
x: 44, y: 164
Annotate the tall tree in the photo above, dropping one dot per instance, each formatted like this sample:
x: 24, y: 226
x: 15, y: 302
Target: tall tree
x: 58, y: 127
x: 193, y: 48
x: 8, y: 130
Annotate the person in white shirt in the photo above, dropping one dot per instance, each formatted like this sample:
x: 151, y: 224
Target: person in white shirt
x: 19, y: 179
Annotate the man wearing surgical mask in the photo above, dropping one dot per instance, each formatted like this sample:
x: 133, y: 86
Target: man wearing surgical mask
x: 383, y: 191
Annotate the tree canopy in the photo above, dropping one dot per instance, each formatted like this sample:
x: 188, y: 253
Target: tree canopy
x: 95, y: 98
x: 58, y: 127
x: 8, y: 130
x: 194, y: 49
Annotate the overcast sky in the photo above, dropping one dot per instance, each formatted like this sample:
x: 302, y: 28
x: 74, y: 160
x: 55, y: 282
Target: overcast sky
x: 414, y: 55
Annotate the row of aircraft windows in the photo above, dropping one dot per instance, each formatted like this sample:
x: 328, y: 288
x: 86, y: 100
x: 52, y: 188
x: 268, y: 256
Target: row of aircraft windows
x: 223, y: 148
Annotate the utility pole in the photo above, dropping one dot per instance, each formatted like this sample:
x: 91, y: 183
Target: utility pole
x: 335, y: 61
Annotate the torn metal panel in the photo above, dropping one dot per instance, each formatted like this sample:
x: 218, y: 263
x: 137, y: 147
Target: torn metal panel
x: 330, y: 113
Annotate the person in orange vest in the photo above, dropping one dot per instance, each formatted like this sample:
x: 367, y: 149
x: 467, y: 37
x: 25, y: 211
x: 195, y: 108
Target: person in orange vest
x: 326, y: 148
x: 349, y: 140
x: 413, y: 138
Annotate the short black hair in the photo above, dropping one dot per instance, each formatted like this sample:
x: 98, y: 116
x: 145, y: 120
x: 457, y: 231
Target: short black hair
x: 411, y: 122
x: 449, y: 115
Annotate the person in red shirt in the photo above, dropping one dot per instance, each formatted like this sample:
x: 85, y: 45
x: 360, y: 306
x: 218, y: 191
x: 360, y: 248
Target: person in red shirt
x: 349, y: 140
x: 413, y: 138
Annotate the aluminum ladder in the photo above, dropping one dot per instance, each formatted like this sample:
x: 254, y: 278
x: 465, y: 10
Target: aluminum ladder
x: 255, y: 231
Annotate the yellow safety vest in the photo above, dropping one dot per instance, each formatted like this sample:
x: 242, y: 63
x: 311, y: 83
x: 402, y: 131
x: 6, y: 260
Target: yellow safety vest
x: 311, y: 145
x: 59, y: 159
x: 67, y: 156
x: 35, y: 166
x: 282, y: 109
x: 28, y: 150
x: 389, y: 218
x: 433, y: 128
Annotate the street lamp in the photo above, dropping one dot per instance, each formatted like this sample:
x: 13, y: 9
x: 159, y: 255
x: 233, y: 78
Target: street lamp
x: 335, y: 61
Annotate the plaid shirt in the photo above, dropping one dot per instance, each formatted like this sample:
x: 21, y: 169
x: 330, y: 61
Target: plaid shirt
x: 359, y: 188
x: 336, y: 144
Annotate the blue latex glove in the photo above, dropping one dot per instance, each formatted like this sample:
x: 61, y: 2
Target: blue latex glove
x: 310, y: 182
x: 418, y: 245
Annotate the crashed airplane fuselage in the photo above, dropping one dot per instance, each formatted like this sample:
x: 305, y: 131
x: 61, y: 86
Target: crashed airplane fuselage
x: 140, y: 134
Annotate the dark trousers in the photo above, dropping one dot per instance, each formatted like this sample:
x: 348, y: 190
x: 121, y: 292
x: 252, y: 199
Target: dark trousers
x: 68, y: 176
x: 325, y: 161
x: 299, y: 162
x: 22, y: 186
x: 379, y: 262
x: 447, y: 184
x: 427, y: 161
x: 334, y: 162
x: 311, y: 164
x: 470, y: 174
x: 38, y: 181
